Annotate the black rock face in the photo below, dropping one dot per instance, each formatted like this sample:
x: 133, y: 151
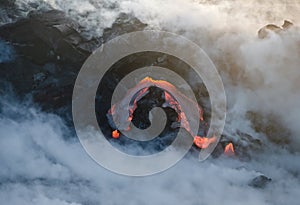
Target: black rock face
x: 7, y: 2
x: 50, y: 50
x: 8, y: 12
x: 48, y: 36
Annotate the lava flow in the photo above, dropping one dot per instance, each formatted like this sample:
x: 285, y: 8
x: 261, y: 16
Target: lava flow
x: 229, y: 150
x: 123, y: 111
x: 203, y: 142
x: 115, y: 134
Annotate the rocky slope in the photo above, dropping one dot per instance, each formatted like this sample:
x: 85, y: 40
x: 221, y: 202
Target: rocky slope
x: 50, y: 51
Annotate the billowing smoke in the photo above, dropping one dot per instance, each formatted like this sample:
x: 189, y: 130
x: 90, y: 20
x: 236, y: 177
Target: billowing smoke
x: 42, y: 163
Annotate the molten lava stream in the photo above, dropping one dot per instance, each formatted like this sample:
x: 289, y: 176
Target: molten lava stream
x: 125, y: 113
x: 229, y: 150
x: 203, y: 142
x: 115, y: 134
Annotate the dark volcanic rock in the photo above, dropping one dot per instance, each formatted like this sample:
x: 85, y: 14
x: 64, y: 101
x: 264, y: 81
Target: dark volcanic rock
x: 124, y: 24
x: 50, y: 50
x: 7, y: 11
x: 243, y: 143
x: 44, y: 37
x: 260, y: 182
x: 7, y: 3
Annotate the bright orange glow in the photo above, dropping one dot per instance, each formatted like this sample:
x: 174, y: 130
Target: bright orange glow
x: 115, y: 134
x: 157, y: 82
x: 203, y: 142
x: 229, y: 150
x: 170, y: 99
x: 173, y: 98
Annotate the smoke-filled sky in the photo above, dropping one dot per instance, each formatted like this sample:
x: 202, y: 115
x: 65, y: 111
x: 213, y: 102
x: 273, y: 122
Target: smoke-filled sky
x: 40, y: 163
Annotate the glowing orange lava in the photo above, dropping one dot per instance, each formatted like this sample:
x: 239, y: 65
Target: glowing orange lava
x: 229, y: 150
x: 115, y: 134
x: 203, y: 142
x: 123, y: 110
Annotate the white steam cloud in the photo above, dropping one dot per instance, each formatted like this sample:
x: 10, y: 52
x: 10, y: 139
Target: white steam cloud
x: 42, y: 164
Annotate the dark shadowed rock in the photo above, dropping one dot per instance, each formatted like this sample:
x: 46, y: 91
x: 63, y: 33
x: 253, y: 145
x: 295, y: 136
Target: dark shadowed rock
x: 260, y: 182
x: 7, y: 3
x: 125, y: 23
x: 46, y: 36
x: 7, y: 11
x: 50, y: 50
